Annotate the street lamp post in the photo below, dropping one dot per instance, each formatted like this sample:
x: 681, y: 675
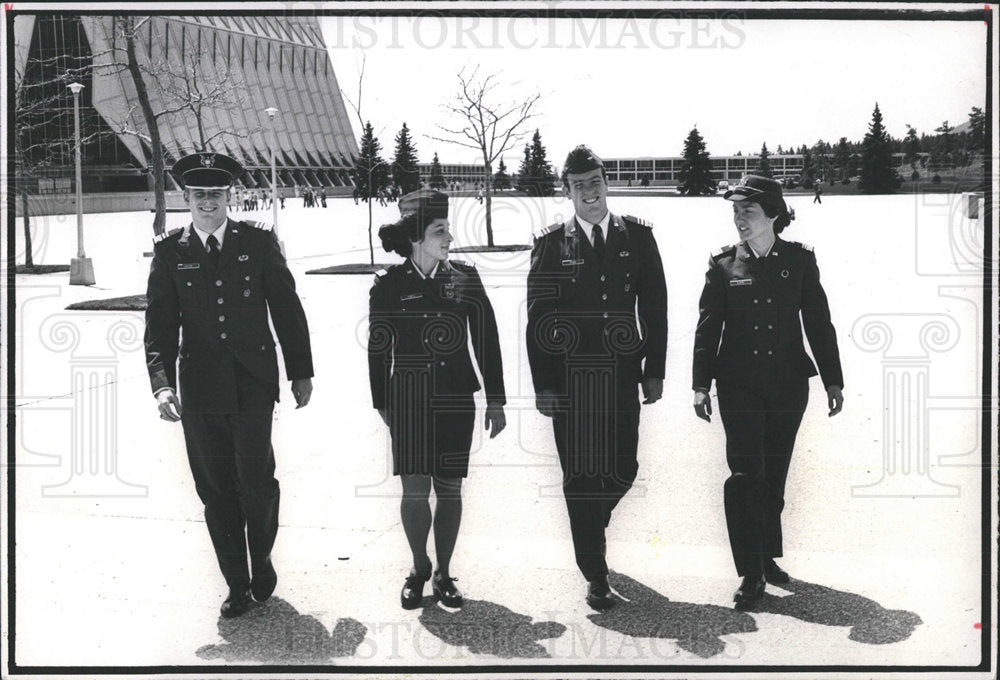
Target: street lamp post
x: 271, y: 113
x: 81, y: 268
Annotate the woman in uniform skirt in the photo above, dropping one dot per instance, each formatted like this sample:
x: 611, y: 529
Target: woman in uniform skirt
x: 758, y: 296
x: 422, y: 314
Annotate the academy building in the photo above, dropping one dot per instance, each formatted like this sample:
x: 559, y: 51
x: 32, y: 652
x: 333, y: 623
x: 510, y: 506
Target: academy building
x: 210, y: 79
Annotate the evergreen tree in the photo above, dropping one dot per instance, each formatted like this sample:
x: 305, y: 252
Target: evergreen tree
x: 524, y: 172
x: 977, y: 131
x: 696, y: 170
x: 501, y: 180
x: 437, y: 180
x: 405, y: 173
x: 535, y: 174
x: 808, y: 176
x: 764, y: 165
x: 878, y: 171
x: 945, y: 145
x: 541, y: 170
x: 370, y: 165
x: 911, y: 146
x: 842, y: 157
x: 779, y: 151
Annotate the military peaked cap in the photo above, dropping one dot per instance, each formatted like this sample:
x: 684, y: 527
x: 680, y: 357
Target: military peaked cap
x: 205, y: 170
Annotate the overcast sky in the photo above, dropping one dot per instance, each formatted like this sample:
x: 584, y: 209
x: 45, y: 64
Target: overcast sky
x: 631, y: 87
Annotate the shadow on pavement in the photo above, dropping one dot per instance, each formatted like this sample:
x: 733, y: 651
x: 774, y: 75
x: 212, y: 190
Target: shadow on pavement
x: 488, y: 628
x: 870, y: 622
x: 697, y: 628
x: 274, y: 632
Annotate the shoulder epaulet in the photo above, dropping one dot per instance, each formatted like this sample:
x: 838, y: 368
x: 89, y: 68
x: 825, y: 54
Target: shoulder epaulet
x: 263, y: 226
x: 379, y: 275
x: 548, y: 230
x: 803, y: 246
x: 723, y: 250
x: 638, y: 220
x: 167, y: 234
x: 464, y: 263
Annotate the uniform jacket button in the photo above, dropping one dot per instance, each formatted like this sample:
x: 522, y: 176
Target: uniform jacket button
x: 769, y: 301
x: 189, y: 283
x: 246, y: 278
x: 219, y: 301
x: 222, y: 317
x: 223, y: 336
x: 756, y: 327
x: 755, y: 300
x: 603, y: 277
x: 769, y: 352
x: 755, y: 351
x: 218, y: 282
x: 246, y: 293
x: 604, y: 296
x: 605, y: 315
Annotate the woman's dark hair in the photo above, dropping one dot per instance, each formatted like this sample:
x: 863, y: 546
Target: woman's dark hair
x: 400, y: 236
x: 775, y: 207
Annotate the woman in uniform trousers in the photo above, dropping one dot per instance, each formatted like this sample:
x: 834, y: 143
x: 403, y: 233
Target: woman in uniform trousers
x: 421, y: 315
x: 758, y: 295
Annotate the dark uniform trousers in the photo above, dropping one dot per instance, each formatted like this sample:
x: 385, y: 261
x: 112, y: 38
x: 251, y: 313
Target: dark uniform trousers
x: 749, y: 340
x: 585, y: 345
x: 232, y: 462
x: 213, y: 317
x: 761, y: 423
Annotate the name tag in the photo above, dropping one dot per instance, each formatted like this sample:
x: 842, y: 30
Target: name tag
x: 741, y: 282
x: 413, y: 296
x: 570, y: 263
x: 188, y: 265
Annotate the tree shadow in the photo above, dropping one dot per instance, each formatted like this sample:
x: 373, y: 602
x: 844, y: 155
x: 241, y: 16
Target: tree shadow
x: 487, y: 628
x: 870, y: 622
x: 274, y: 632
x: 697, y: 628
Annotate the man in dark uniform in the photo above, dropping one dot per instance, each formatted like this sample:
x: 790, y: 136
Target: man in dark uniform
x: 588, y: 278
x: 215, y: 282
x: 758, y: 296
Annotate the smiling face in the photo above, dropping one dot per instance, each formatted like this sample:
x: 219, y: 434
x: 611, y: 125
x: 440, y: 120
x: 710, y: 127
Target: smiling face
x: 589, y: 193
x: 208, y: 206
x: 435, y: 244
x: 751, y: 221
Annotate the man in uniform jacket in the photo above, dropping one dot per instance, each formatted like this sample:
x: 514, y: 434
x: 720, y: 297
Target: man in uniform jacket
x: 589, y: 277
x: 212, y: 286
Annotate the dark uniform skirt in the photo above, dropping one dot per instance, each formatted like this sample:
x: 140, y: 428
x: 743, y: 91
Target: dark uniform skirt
x: 431, y: 435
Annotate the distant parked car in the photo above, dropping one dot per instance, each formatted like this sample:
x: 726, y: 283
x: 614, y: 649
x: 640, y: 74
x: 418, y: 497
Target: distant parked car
x: 723, y: 185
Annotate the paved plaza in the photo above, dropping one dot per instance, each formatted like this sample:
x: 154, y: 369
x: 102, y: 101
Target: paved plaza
x: 884, y: 523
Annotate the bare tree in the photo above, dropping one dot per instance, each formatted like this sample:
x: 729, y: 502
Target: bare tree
x: 486, y: 125
x: 193, y: 88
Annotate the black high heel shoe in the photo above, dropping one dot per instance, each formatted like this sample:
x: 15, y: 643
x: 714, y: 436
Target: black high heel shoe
x: 446, y: 592
x: 413, y: 589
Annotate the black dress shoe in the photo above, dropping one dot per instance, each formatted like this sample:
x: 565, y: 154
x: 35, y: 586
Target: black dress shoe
x: 773, y: 573
x: 413, y: 589
x: 264, y: 580
x: 599, y: 593
x: 446, y: 592
x: 236, y: 604
x: 750, y: 590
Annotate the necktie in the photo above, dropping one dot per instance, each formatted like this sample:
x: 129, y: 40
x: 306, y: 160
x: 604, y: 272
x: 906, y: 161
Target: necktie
x: 213, y: 250
x: 599, y: 241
